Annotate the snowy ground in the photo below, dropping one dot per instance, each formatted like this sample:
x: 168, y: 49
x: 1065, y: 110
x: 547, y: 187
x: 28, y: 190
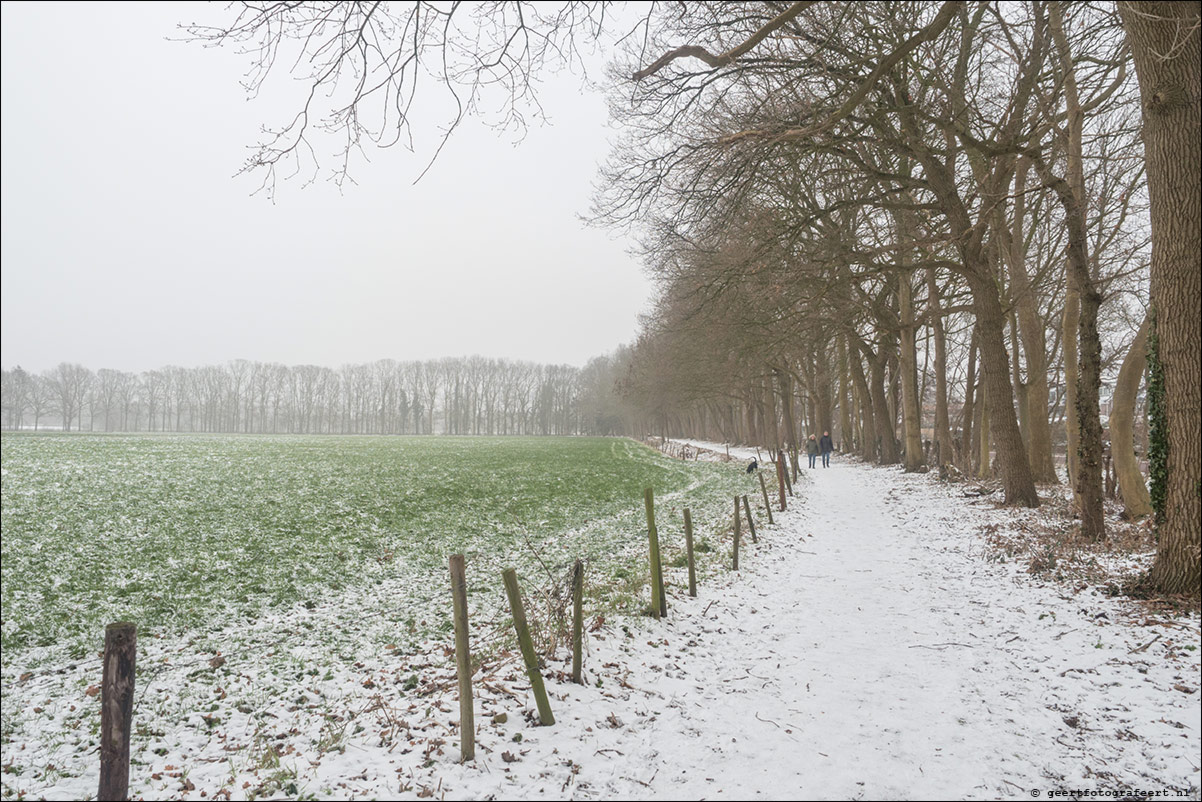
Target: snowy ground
x: 871, y: 646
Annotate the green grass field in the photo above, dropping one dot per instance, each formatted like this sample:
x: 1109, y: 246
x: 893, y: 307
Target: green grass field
x: 196, y: 533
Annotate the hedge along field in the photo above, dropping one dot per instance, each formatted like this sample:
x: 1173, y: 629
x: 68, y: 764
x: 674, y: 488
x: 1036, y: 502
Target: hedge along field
x: 218, y: 536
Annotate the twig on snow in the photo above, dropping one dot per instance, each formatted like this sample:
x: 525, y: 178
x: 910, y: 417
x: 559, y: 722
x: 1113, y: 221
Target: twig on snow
x: 1145, y: 646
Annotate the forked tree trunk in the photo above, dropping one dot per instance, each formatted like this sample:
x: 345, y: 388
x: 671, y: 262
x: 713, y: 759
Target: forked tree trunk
x: 1031, y: 331
x: 1164, y: 41
x: 1015, y: 469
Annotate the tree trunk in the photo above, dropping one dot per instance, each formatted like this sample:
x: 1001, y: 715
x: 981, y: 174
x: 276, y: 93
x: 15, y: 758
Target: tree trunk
x: 868, y: 434
x: 1087, y: 482
x: 785, y: 383
x: 1122, y: 426
x: 968, y: 412
x: 1020, y: 389
x: 908, y: 366
x: 1164, y: 41
x: 823, y: 395
x: 1031, y: 332
x: 943, y: 431
x: 845, y: 394
x: 1012, y: 456
x: 983, y: 466
x: 1072, y: 433
x: 887, y: 453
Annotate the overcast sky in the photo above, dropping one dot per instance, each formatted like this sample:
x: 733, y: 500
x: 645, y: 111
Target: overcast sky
x: 128, y: 243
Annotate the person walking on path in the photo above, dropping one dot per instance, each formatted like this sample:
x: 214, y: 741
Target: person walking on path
x: 826, y: 446
x: 812, y: 450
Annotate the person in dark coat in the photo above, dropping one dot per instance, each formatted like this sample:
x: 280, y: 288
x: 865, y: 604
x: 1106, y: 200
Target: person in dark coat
x: 826, y: 445
x: 812, y: 450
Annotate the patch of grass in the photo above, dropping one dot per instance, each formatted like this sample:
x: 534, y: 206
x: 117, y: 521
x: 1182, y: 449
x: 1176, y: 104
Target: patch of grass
x: 199, y: 532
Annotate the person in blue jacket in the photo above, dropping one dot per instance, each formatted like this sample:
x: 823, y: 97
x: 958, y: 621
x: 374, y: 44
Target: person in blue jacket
x: 826, y: 446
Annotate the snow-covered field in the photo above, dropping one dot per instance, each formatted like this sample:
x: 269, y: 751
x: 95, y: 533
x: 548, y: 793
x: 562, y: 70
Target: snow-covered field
x: 871, y: 646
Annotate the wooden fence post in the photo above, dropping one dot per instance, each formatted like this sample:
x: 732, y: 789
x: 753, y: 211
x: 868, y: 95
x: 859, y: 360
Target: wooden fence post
x: 780, y: 478
x: 519, y: 624
x: 117, y: 708
x: 578, y: 622
x: 463, y: 660
x: 688, y: 545
x: 764, y: 490
x: 736, y: 552
x: 750, y: 520
x: 659, y: 599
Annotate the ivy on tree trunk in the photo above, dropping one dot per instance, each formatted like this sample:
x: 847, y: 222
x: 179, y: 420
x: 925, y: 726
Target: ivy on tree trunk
x: 1158, y: 430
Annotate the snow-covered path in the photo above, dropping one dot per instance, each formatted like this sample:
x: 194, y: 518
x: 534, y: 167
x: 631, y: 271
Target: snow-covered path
x: 867, y: 650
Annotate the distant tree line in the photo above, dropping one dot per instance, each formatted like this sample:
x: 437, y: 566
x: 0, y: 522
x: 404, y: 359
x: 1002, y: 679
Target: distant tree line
x: 466, y: 395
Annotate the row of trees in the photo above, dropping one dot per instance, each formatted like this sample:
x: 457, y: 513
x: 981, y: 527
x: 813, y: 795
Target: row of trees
x: 836, y: 263
x: 471, y: 395
x: 890, y: 203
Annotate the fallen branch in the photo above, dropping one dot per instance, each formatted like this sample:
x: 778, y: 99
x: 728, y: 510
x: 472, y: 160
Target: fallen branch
x: 1145, y: 646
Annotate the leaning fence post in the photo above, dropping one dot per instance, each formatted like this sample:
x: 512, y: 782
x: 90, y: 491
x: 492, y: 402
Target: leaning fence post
x: 688, y: 546
x: 764, y: 490
x: 519, y: 624
x: 736, y: 552
x: 578, y: 622
x: 463, y: 660
x: 117, y: 708
x: 780, y: 478
x: 659, y: 600
x: 750, y: 520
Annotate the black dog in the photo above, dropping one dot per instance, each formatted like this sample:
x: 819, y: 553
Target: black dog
x: 753, y: 467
